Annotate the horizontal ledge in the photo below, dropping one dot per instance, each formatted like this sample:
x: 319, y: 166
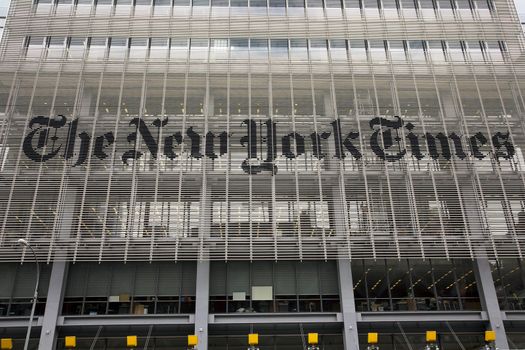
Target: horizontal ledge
x: 310, y: 317
x: 513, y: 315
x: 20, y: 321
x: 422, y: 316
x: 262, y: 318
x: 115, y: 320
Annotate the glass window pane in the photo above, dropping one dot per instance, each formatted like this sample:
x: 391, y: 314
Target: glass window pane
x: 352, y: 4
x: 239, y: 3
x: 74, y: 41
x: 315, y: 3
x: 279, y: 48
x: 295, y: 3
x: 57, y: 41
x: 333, y: 4
x: 162, y: 42
x: 139, y: 42
x: 376, y: 280
x: 118, y: 42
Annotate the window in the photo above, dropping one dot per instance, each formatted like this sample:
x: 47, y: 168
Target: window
x: 159, y: 48
x: 463, y: 4
x: 338, y: 50
x: 336, y: 4
x: 298, y: 49
x: 279, y: 48
x: 426, y: 4
x: 55, y: 42
x: 397, y: 50
x: 509, y: 279
x: 408, y: 4
x: 77, y: 47
x: 199, y: 49
x: 352, y: 4
x: 97, y: 48
x: 377, y: 50
x: 296, y: 287
x: 179, y: 49
x: 358, y: 50
x: 219, y: 49
x: 277, y: 7
x: 389, y: 4
x: 318, y: 50
x: 475, y: 52
x: 118, y: 48
x: 296, y: 3
x: 493, y: 50
x: 56, y: 47
x: 35, y: 46
x: 116, y: 288
x: 414, y: 285
x: 315, y: 3
x: 370, y: 4
x: 417, y: 50
x: 455, y: 50
x: 258, y: 3
x: 444, y: 4
x: 138, y: 48
x: 435, y: 49
x: 239, y: 48
x: 259, y: 49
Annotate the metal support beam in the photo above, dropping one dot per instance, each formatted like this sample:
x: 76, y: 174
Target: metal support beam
x: 57, y: 281
x: 53, y: 306
x: 124, y: 320
x: 202, y: 293
x: 489, y: 301
x: 346, y: 289
x: 277, y: 318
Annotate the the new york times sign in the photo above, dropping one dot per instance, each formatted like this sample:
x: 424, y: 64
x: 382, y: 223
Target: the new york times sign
x: 385, y: 136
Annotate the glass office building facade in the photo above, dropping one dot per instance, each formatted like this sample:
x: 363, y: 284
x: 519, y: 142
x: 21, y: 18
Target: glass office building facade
x: 279, y: 167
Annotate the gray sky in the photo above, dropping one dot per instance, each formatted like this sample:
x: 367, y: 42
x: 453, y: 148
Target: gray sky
x: 520, y: 5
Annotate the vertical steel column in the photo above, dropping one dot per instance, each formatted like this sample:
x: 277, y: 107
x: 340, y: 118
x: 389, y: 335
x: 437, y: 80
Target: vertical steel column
x: 202, y: 287
x: 202, y: 292
x: 346, y: 291
x: 344, y: 269
x: 489, y: 301
x: 55, y: 292
x: 57, y: 281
